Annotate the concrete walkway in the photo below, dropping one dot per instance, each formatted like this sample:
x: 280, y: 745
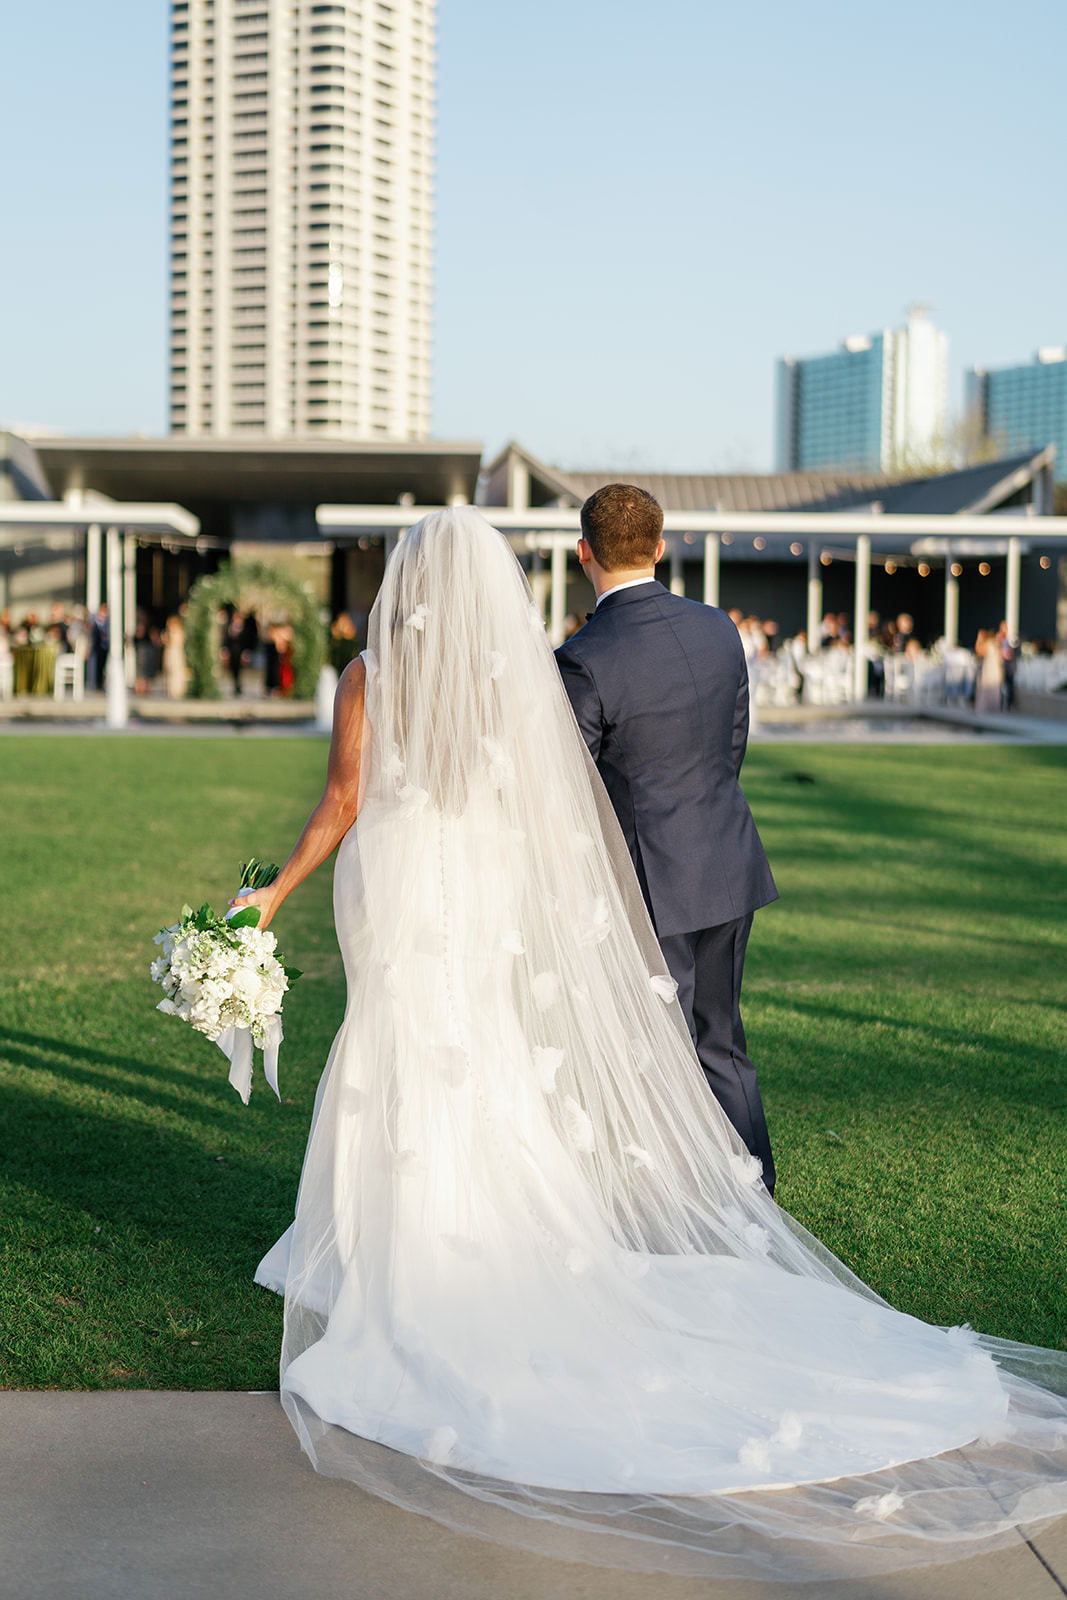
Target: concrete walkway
x: 173, y: 1496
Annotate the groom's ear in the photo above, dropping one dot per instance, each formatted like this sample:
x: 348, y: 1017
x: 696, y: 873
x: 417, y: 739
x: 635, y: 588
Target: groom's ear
x: 660, y: 550
x: 585, y: 552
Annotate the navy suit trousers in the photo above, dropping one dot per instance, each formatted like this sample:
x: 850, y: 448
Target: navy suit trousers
x: 707, y: 967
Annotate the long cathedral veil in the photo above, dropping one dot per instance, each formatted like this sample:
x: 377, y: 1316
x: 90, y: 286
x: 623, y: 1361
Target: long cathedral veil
x: 536, y: 1288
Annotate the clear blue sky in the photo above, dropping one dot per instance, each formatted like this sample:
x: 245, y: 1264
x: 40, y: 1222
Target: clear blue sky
x: 639, y: 207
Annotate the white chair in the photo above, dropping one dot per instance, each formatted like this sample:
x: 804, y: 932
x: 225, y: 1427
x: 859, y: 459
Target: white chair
x: 837, y: 684
x: 814, y: 693
x: 899, y: 678
x: 70, y: 670
x: 959, y: 674
x: 7, y: 676
x: 930, y: 679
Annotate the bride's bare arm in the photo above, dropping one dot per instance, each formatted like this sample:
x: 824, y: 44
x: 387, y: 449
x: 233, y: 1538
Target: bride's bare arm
x: 336, y: 811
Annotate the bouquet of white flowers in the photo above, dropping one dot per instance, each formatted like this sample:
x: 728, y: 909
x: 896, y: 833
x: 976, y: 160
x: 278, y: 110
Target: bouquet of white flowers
x: 224, y: 977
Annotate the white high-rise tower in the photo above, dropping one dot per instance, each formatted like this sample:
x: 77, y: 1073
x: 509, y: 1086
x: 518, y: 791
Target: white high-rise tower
x: 301, y: 218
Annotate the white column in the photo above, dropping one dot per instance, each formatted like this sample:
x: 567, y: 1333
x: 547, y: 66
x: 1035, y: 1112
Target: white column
x: 518, y: 483
x: 862, y: 604
x: 92, y: 569
x: 129, y: 605
x: 814, y: 598
x: 677, y: 570
x: 116, y: 676
x: 1013, y: 584
x: 952, y: 603
x: 558, y: 607
x: 712, y: 553
x: 540, y: 584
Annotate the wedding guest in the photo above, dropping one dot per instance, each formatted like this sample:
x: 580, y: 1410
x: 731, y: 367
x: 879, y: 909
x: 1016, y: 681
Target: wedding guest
x: 99, y: 646
x: 752, y: 639
x: 78, y: 631
x: 989, y: 677
x: 146, y: 653
x: 285, y: 657
x: 905, y: 630
x: 875, y: 658
x: 174, y: 667
x: 1009, y: 656
x: 238, y: 641
x: 272, y: 666
x: 278, y: 674
x: 344, y: 644
x: 57, y: 627
x: 797, y: 649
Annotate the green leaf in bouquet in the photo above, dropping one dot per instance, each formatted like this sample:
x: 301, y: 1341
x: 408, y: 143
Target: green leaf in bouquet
x: 257, y: 874
x: 292, y: 973
x: 245, y: 919
x: 186, y: 913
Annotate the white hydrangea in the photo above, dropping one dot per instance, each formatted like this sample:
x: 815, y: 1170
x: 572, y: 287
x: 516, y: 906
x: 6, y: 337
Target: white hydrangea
x: 214, y: 983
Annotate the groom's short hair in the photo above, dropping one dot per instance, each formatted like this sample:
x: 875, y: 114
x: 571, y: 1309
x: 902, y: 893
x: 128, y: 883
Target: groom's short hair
x: 622, y: 525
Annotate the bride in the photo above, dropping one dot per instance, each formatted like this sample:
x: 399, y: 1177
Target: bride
x: 535, y: 1287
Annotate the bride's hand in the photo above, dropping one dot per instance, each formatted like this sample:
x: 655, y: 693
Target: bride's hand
x: 265, y: 899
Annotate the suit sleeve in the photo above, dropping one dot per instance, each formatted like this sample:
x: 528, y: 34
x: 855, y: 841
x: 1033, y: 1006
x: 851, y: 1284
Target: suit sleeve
x: 740, y: 739
x: 585, y: 702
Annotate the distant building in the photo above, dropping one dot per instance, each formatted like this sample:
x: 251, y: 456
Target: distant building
x: 873, y: 405
x: 767, y: 574
x: 301, y: 219
x: 1024, y: 407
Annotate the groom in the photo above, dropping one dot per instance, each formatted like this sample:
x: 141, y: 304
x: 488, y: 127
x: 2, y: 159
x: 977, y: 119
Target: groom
x: 659, y: 686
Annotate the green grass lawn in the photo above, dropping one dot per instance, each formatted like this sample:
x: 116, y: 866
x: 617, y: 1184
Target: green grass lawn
x: 905, y: 1003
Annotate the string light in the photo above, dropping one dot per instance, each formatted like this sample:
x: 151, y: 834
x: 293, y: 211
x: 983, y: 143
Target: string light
x: 957, y: 570
x: 759, y: 544
x: 1046, y: 562
x: 689, y: 538
x: 825, y: 559
x: 727, y: 538
x: 890, y: 568
x: 984, y: 568
x: 796, y: 549
x: 924, y: 569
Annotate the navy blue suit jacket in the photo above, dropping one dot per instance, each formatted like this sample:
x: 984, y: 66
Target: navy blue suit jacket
x: 660, y: 690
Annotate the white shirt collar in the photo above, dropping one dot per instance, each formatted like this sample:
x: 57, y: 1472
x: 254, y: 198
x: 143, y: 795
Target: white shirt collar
x: 617, y: 588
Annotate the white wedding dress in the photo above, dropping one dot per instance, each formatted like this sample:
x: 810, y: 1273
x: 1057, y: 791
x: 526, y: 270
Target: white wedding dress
x: 535, y: 1286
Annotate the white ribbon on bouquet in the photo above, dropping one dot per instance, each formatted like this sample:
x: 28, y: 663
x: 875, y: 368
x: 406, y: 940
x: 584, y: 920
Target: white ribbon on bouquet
x: 236, y: 1045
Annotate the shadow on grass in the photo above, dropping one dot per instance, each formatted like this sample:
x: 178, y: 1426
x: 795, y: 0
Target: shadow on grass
x: 1029, y: 1074
x: 150, y: 1176
x: 862, y: 817
x: 54, y: 1056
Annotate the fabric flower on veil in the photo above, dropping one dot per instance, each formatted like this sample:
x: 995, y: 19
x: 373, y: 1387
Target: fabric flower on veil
x: 501, y: 768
